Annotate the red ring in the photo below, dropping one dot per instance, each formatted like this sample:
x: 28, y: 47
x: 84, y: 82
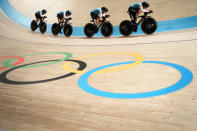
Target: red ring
x: 20, y: 60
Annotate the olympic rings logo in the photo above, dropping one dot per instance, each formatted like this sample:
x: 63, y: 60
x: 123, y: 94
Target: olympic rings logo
x: 186, y: 74
x: 138, y: 57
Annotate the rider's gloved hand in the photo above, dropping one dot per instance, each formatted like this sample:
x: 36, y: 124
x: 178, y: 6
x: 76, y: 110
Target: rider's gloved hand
x: 150, y: 11
x: 145, y: 13
x: 69, y: 18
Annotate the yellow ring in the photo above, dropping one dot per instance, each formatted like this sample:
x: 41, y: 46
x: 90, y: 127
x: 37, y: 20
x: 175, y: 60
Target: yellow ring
x: 138, y: 57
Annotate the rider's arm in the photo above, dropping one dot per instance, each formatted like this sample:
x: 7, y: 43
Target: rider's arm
x: 102, y: 14
x: 142, y: 9
x: 65, y: 17
x: 42, y: 15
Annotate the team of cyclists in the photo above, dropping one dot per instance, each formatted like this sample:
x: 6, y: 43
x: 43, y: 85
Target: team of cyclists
x: 134, y: 11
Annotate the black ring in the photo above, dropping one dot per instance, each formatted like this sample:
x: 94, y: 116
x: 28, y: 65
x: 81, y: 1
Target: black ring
x: 4, y: 79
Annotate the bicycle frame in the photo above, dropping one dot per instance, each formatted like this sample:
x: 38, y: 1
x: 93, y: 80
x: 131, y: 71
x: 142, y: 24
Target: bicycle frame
x: 142, y: 17
x: 66, y: 22
x: 41, y: 20
x: 101, y: 22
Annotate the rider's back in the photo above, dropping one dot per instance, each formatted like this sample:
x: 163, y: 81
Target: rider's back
x: 136, y: 6
x: 97, y: 11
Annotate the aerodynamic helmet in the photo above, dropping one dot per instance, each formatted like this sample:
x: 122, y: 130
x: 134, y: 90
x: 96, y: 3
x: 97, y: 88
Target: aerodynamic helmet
x: 104, y: 9
x: 44, y: 11
x: 145, y: 4
x: 68, y: 13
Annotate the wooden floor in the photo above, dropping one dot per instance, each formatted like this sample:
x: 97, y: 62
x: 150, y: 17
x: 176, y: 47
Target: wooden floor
x: 61, y: 105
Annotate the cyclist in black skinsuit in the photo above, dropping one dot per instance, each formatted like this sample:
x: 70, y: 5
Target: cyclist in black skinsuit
x: 61, y: 16
x: 40, y: 14
x: 136, y: 9
x: 96, y: 14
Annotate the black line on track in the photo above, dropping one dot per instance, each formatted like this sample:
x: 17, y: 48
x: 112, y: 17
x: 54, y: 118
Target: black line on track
x: 4, y: 79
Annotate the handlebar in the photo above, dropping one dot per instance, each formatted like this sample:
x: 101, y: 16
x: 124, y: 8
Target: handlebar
x: 103, y: 18
x: 145, y: 14
x: 42, y: 19
x: 67, y: 19
x: 106, y: 16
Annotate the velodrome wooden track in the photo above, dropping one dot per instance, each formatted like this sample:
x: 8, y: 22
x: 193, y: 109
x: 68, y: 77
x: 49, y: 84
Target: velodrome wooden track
x: 61, y: 105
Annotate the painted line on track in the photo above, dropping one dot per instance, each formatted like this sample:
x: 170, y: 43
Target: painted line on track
x: 186, y: 78
x: 68, y: 55
x: 138, y: 57
x: 4, y: 79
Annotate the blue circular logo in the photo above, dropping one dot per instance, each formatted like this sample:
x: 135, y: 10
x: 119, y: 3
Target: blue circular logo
x: 186, y: 78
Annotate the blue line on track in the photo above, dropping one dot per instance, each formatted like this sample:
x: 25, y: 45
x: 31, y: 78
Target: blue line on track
x: 186, y: 78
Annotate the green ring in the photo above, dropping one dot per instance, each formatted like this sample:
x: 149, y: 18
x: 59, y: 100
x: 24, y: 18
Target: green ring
x: 68, y: 55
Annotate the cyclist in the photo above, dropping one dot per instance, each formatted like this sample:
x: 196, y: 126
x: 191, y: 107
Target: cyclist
x: 40, y: 14
x: 96, y: 14
x: 136, y: 9
x: 61, y: 17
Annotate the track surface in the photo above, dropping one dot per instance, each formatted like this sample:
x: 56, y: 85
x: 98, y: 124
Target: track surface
x: 63, y: 106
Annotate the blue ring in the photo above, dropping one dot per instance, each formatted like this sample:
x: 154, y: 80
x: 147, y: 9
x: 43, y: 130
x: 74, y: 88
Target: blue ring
x: 186, y: 78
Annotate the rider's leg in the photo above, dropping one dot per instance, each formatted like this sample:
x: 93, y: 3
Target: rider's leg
x: 134, y: 20
x: 37, y: 20
x: 92, y: 16
x: 134, y: 15
x: 61, y: 24
x: 97, y: 21
x: 138, y: 14
x: 38, y: 17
